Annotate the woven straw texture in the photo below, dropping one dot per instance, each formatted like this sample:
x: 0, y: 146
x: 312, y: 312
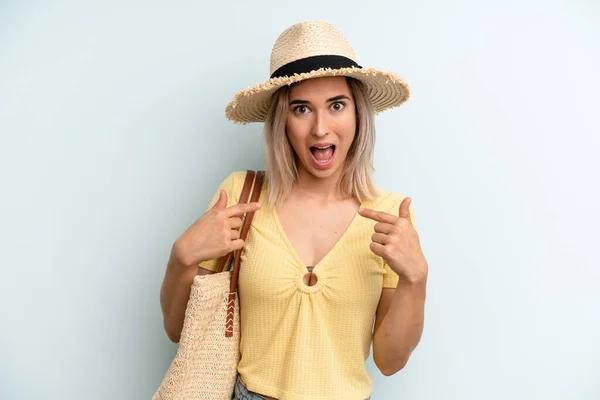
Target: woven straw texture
x: 205, y: 366
x: 307, y: 39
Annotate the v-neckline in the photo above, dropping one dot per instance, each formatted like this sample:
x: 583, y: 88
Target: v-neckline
x: 292, y: 249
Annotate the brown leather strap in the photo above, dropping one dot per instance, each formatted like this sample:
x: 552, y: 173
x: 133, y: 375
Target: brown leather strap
x: 245, y: 228
x: 223, y: 261
x: 258, y: 183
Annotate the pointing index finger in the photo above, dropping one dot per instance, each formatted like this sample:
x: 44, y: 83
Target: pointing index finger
x: 378, y: 216
x: 239, y: 210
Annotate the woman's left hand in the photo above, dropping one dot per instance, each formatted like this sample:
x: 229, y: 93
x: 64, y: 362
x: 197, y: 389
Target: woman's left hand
x: 397, y: 242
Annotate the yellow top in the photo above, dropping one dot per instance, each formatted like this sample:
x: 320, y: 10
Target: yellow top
x: 308, y: 342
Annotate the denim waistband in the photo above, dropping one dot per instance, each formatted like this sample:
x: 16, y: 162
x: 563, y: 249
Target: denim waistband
x: 241, y: 392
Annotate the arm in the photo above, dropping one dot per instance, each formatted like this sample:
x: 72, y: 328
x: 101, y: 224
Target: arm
x: 175, y: 293
x: 398, y: 325
x: 212, y: 236
x: 400, y: 313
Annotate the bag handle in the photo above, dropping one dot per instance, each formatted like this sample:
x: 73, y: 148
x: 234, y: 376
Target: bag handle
x: 243, y: 199
x: 258, y: 183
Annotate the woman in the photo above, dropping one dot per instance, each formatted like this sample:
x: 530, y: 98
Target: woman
x: 328, y: 252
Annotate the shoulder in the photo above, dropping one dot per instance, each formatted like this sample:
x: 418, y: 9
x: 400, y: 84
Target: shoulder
x: 236, y: 179
x: 232, y: 184
x: 386, y: 200
x: 389, y: 202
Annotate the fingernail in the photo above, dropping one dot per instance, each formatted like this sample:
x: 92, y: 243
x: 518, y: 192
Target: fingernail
x: 361, y: 210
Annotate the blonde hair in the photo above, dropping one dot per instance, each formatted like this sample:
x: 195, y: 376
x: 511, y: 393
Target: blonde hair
x: 282, y: 171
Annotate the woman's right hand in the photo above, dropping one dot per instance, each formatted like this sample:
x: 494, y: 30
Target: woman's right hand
x: 214, y: 234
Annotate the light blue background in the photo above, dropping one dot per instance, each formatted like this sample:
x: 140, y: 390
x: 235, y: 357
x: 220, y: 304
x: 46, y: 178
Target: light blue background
x: 113, y: 140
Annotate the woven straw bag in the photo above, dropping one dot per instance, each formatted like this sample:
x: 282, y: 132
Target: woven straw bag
x: 205, y: 366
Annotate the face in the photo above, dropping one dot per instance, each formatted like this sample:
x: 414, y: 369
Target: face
x: 321, y: 124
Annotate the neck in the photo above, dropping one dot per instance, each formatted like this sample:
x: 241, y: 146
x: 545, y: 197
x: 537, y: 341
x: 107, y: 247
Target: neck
x: 322, y: 189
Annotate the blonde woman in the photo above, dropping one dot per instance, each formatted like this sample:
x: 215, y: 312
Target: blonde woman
x: 332, y: 264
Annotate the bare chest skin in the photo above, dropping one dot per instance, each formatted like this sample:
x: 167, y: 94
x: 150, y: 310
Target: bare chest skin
x: 313, y: 228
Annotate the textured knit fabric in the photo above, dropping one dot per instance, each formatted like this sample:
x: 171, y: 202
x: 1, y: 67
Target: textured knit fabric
x: 308, y: 342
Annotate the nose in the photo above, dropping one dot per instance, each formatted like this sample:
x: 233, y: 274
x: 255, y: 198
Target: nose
x: 320, y: 125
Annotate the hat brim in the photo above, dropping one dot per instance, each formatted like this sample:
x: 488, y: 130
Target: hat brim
x: 386, y: 90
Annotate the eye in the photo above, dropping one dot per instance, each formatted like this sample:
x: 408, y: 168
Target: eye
x: 338, y: 106
x: 300, y: 110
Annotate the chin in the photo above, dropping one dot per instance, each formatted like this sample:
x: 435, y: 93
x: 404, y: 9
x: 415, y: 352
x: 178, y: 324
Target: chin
x: 323, y: 173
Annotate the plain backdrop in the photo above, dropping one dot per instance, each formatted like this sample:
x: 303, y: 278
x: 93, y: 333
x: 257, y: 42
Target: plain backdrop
x: 114, y: 139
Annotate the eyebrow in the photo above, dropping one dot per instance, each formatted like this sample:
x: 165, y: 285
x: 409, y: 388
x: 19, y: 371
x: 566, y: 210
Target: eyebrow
x: 335, y: 98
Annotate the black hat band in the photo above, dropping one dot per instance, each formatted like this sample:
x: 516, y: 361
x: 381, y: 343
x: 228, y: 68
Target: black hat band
x: 313, y: 63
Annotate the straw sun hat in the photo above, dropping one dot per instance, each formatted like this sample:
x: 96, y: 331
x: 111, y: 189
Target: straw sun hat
x: 314, y: 49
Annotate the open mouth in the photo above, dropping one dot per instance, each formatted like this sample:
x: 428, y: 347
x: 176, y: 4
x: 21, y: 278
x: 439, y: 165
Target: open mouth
x: 323, y: 154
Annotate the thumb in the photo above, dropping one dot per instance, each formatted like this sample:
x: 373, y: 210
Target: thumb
x: 404, y: 211
x: 222, y: 202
